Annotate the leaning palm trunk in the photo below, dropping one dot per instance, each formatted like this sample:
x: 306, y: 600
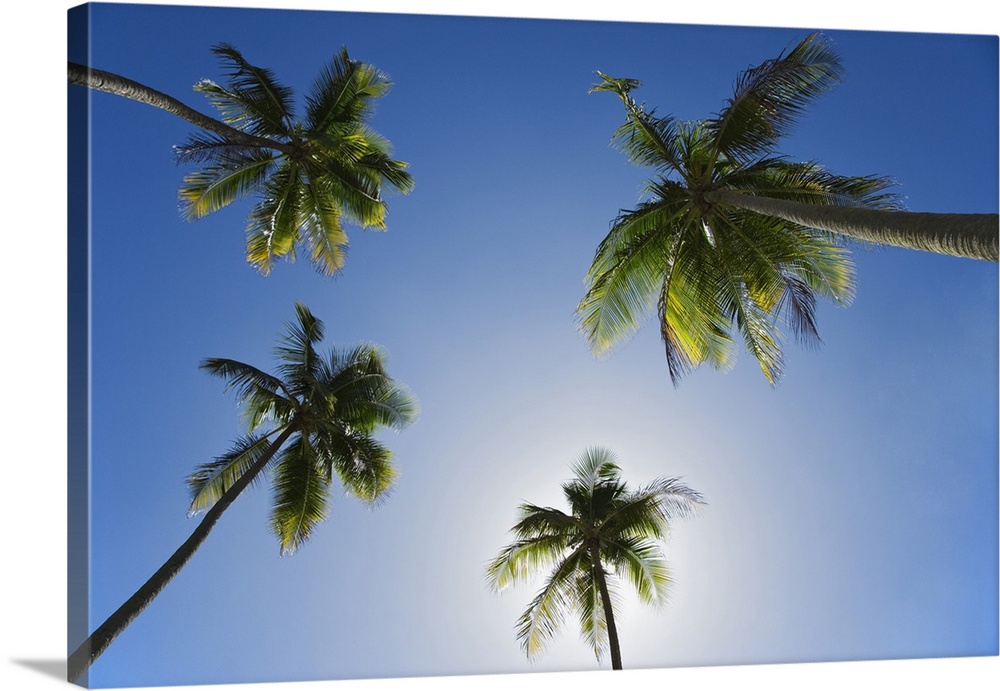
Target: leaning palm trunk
x: 103, y: 635
x: 122, y: 86
x: 961, y: 235
x: 609, y: 615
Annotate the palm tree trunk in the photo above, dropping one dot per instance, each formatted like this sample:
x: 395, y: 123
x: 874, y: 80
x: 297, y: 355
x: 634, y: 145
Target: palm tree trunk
x: 960, y: 235
x: 111, y: 83
x: 81, y: 659
x: 609, y: 615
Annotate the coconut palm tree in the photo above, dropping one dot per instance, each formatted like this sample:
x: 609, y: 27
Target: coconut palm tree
x: 734, y: 238
x: 611, y: 533
x: 311, y: 423
x: 310, y: 175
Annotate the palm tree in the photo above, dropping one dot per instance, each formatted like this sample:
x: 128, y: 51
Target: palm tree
x: 311, y: 175
x: 323, y: 413
x: 610, y: 533
x: 737, y: 239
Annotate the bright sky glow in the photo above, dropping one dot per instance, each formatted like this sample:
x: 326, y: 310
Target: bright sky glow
x: 852, y: 509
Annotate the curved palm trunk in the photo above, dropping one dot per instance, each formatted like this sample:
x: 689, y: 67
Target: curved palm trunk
x: 103, y: 635
x: 961, y: 235
x: 111, y: 83
x: 609, y: 615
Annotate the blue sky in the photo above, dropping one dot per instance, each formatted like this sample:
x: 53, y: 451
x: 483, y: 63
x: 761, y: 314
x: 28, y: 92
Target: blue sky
x: 852, y: 509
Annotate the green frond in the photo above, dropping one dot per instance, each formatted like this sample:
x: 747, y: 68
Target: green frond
x: 825, y: 266
x: 539, y: 521
x: 626, y: 274
x: 642, y: 564
x: 620, y: 86
x: 321, y: 230
x: 523, y: 559
x: 693, y: 324
x: 231, y: 108
x: 769, y: 99
x: 798, y: 305
x: 365, y: 395
x: 273, y: 224
x: 363, y: 465
x: 675, y: 499
x: 595, y: 465
x: 356, y: 188
x: 255, y: 101
x: 207, y: 190
x: 246, y: 379
x: 752, y: 322
x: 396, y: 408
x: 300, y: 494
x: 343, y: 92
x: 207, y: 146
x: 809, y: 183
x: 388, y: 170
x: 210, y: 481
x: 299, y: 361
x: 547, y: 611
x: 648, y: 140
x: 593, y: 622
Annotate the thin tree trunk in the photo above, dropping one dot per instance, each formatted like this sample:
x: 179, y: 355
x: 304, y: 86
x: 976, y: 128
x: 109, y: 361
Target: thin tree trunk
x: 609, y: 615
x: 103, y: 635
x: 961, y: 235
x: 111, y: 83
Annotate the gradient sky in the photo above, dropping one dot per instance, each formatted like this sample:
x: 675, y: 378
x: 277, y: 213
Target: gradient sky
x: 852, y: 509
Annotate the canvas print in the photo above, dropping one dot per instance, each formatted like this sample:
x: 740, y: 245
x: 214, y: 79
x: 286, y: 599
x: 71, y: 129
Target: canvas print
x: 417, y: 345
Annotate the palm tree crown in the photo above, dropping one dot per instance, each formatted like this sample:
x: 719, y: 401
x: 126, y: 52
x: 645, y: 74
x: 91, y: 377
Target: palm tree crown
x: 322, y: 412
x: 330, y: 407
x: 311, y: 175
x: 610, y: 533
x: 316, y: 172
x: 704, y: 251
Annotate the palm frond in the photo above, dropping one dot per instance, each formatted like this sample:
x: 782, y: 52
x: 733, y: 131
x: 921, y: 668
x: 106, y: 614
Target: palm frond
x: 299, y: 361
x: 538, y: 521
x: 693, y: 326
x: 620, y: 86
x: 247, y: 380
x: 547, y: 611
x: 300, y: 494
x: 754, y: 324
x: 646, y: 139
x: 593, y: 622
x: 524, y: 558
x: 343, y: 92
x: 378, y: 162
x: 207, y: 190
x: 675, y: 499
x: 595, y: 465
x: 798, y: 303
x: 366, y: 396
x: 273, y: 223
x: 642, y: 564
x: 321, y: 229
x: 809, y: 183
x: 255, y: 101
x: 207, y: 146
x: 357, y: 189
x: 769, y: 99
x: 209, y: 481
x: 626, y: 274
x: 363, y: 465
